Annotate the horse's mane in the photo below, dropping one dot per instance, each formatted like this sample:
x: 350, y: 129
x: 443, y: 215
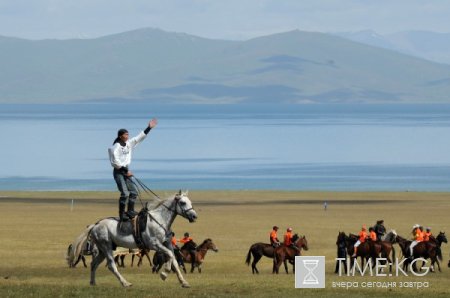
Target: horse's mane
x: 156, y: 202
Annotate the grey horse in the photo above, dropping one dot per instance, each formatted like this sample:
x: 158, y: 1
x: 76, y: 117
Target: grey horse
x: 108, y: 232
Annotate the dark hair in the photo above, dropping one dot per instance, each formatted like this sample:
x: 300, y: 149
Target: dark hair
x: 120, y: 132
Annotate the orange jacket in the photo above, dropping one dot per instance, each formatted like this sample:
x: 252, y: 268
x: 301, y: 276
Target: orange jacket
x: 419, y: 235
x: 185, y: 240
x: 288, y: 238
x: 174, y: 241
x: 362, y: 236
x: 426, y: 236
x: 373, y: 236
x: 273, y: 236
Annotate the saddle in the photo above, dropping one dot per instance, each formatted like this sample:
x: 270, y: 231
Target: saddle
x: 136, y: 226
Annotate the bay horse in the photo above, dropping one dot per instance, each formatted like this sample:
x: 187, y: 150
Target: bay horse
x: 110, y: 232
x: 200, y: 254
x: 283, y: 253
x: 365, y: 251
x: 424, y: 249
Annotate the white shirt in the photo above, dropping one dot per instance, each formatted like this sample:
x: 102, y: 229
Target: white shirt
x: 120, y: 156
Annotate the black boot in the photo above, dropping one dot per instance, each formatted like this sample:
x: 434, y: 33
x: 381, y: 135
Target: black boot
x: 122, y: 215
x: 131, y: 213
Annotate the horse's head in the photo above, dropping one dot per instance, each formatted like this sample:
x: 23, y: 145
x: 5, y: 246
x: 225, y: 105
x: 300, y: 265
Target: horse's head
x: 209, y: 244
x: 340, y: 238
x: 183, y: 206
x: 441, y: 237
x: 300, y: 242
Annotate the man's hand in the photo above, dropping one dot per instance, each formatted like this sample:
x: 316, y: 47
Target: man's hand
x: 129, y: 174
x: 153, y: 123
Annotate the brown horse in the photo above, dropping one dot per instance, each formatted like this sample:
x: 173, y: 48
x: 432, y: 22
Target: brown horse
x: 200, y: 254
x: 258, y: 250
x: 365, y: 250
x: 424, y: 249
x: 283, y: 253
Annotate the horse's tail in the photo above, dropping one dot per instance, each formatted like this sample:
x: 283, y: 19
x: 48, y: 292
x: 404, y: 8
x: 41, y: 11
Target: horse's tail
x: 76, y: 248
x: 249, y: 256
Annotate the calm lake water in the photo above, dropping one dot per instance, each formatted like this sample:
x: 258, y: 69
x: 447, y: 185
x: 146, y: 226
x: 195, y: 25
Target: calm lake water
x: 283, y: 147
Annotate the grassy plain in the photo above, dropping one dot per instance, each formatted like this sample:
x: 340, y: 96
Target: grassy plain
x: 36, y: 228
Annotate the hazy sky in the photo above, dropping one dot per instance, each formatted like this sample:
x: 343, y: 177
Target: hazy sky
x: 226, y: 19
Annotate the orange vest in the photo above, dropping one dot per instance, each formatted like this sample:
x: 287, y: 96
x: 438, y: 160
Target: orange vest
x: 273, y: 236
x: 362, y: 236
x: 373, y: 236
x: 426, y: 236
x: 288, y: 238
x: 419, y: 235
x: 185, y: 240
x: 174, y: 241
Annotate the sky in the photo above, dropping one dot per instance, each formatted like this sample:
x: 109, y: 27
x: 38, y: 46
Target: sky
x: 230, y: 19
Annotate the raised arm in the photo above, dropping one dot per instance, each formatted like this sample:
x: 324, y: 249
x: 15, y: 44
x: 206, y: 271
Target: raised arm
x: 141, y: 136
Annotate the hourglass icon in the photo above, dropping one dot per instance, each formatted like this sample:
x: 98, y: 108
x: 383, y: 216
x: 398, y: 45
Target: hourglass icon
x: 310, y: 278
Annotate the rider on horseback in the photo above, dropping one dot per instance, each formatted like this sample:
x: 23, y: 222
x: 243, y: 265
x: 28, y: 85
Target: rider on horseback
x: 288, y: 239
x: 372, y: 235
x: 190, y: 245
x: 427, y: 234
x: 418, y: 237
x: 176, y: 250
x: 379, y: 229
x: 274, y: 238
x: 120, y: 158
x: 362, y: 239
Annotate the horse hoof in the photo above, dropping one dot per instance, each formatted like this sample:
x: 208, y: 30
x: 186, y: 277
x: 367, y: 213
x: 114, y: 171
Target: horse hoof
x: 127, y: 285
x: 185, y: 285
x: 163, y: 275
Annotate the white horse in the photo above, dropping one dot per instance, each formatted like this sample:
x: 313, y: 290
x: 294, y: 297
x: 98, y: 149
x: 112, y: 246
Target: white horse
x: 110, y: 232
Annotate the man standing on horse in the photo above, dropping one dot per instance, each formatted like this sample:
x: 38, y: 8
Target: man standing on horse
x: 120, y: 158
x: 274, y: 238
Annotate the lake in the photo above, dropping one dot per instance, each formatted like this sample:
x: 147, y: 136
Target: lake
x: 278, y: 147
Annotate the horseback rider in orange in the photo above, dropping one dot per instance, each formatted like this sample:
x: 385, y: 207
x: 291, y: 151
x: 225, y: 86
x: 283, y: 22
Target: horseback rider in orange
x: 288, y: 239
x: 189, y: 243
x: 362, y: 239
x: 418, y: 237
x: 273, y: 237
x: 427, y: 234
x: 372, y: 234
x: 176, y: 250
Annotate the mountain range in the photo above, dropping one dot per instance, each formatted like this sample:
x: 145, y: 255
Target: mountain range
x: 167, y: 67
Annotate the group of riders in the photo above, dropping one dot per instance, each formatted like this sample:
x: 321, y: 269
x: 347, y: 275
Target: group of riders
x: 288, y: 235
x: 188, y: 244
x: 376, y: 233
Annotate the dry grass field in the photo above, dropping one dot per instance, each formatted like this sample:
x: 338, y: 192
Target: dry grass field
x: 36, y: 228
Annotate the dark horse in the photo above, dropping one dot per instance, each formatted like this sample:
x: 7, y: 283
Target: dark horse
x: 258, y: 250
x: 341, y: 251
x: 424, y: 249
x: 283, y: 253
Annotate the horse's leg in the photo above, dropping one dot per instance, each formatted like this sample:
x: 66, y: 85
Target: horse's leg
x: 285, y: 266
x: 84, y: 261
x: 112, y: 267
x: 148, y: 258
x: 256, y: 259
x: 94, y: 264
x: 121, y: 260
x: 132, y: 259
x: 168, y: 265
x: 78, y: 260
x: 140, y: 260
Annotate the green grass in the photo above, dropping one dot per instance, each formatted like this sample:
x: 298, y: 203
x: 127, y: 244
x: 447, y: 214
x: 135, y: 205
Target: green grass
x: 36, y: 228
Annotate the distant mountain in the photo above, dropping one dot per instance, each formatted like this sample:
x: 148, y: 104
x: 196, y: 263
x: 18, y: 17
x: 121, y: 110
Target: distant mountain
x: 424, y: 44
x: 158, y: 66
